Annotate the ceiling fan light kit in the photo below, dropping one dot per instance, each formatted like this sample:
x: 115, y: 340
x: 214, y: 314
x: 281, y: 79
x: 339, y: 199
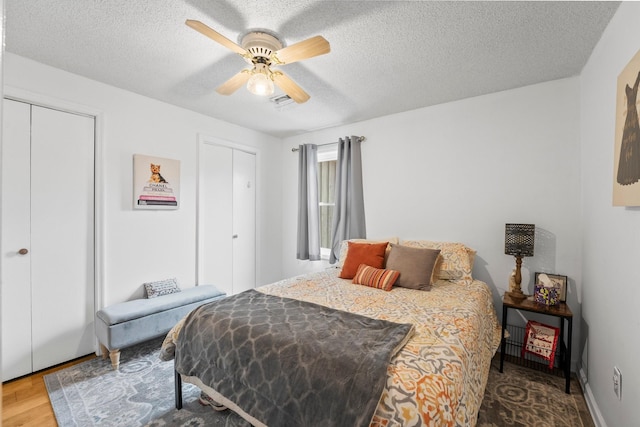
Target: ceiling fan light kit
x: 264, y: 50
x: 260, y: 83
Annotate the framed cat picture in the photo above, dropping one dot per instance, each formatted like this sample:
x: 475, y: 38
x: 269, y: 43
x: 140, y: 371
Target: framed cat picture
x: 156, y: 182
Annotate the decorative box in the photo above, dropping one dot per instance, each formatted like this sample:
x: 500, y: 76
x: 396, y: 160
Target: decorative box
x: 546, y: 295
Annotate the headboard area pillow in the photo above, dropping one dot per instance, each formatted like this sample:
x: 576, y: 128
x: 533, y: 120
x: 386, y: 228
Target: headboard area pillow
x: 457, y: 259
x: 415, y: 265
x: 371, y: 254
x: 344, y: 247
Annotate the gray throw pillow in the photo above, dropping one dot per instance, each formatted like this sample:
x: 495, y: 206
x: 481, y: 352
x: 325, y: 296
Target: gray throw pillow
x: 414, y: 264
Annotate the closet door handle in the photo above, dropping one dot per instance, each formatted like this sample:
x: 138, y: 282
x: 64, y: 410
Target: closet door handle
x: 23, y: 251
x: 235, y: 236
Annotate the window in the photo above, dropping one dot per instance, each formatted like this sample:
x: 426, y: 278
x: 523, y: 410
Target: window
x: 327, y: 160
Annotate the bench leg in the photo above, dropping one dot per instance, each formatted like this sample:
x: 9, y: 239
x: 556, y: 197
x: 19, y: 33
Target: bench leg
x: 104, y: 351
x: 114, y: 355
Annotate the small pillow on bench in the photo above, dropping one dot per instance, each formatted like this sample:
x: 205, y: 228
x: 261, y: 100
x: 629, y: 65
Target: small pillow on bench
x: 161, y: 287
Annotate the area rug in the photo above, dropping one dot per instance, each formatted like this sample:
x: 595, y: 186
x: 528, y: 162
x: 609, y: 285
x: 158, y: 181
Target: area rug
x: 141, y: 393
x: 521, y: 396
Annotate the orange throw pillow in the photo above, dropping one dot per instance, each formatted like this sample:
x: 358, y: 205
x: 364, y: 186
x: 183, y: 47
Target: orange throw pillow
x: 371, y: 254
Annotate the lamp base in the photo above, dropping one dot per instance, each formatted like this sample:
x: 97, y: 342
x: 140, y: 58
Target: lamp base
x: 517, y: 295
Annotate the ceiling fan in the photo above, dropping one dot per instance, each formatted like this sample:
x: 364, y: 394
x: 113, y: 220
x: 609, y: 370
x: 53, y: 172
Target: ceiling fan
x: 263, y: 51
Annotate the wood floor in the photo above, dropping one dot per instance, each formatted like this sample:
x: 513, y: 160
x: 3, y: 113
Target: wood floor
x: 25, y: 401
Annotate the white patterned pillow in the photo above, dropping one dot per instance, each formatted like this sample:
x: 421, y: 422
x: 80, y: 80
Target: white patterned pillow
x: 457, y: 259
x: 161, y: 287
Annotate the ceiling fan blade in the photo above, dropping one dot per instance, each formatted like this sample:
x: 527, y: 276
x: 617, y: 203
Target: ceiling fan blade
x: 234, y: 83
x: 215, y: 36
x: 290, y: 87
x: 303, y: 50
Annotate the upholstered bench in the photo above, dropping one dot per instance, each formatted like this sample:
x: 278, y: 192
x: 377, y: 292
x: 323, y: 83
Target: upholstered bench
x: 131, y: 322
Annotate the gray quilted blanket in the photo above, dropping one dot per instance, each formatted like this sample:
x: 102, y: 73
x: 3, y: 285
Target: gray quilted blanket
x: 290, y: 363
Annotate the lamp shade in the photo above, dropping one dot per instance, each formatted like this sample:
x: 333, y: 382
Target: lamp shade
x: 519, y: 239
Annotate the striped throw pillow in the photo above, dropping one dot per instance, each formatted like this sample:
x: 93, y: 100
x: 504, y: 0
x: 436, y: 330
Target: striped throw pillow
x: 375, y: 277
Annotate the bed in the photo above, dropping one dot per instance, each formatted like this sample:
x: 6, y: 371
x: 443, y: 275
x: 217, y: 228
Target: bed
x: 438, y: 372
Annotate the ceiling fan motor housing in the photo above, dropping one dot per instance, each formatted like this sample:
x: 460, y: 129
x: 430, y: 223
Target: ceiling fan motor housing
x: 261, y: 45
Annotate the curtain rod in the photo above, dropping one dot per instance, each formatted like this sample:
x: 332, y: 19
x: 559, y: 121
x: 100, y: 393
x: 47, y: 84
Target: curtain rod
x: 360, y: 139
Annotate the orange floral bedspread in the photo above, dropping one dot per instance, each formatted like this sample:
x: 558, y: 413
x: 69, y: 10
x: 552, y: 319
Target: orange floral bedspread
x: 439, y: 377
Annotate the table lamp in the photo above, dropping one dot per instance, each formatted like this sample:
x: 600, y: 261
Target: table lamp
x: 518, y: 241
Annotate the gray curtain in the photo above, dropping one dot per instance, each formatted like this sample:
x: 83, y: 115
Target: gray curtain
x: 348, y: 214
x: 308, y: 209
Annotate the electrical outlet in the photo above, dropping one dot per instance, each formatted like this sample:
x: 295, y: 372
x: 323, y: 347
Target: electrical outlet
x: 617, y: 382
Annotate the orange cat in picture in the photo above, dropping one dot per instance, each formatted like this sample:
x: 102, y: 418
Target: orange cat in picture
x: 155, y: 174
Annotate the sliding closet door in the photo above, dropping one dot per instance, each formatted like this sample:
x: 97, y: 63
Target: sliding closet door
x: 47, y: 238
x: 62, y: 236
x: 215, y: 225
x: 244, y: 221
x: 226, y: 218
x: 16, y: 266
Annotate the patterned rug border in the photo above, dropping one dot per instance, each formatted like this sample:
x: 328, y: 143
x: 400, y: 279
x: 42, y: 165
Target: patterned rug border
x: 141, y: 393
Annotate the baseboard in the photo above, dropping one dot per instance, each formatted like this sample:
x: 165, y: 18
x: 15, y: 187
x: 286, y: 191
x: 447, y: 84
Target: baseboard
x: 590, y: 399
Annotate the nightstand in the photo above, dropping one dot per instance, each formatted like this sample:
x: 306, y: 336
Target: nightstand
x: 560, y: 311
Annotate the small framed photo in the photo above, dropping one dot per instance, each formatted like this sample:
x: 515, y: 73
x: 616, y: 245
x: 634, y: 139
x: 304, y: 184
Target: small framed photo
x: 559, y: 281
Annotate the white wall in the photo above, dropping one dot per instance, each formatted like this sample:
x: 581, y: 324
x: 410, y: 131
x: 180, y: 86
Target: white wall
x: 611, y: 236
x: 1, y: 248
x: 140, y: 246
x: 460, y: 171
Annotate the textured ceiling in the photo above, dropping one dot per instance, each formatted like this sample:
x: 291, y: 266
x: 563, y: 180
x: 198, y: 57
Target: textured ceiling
x: 386, y: 56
